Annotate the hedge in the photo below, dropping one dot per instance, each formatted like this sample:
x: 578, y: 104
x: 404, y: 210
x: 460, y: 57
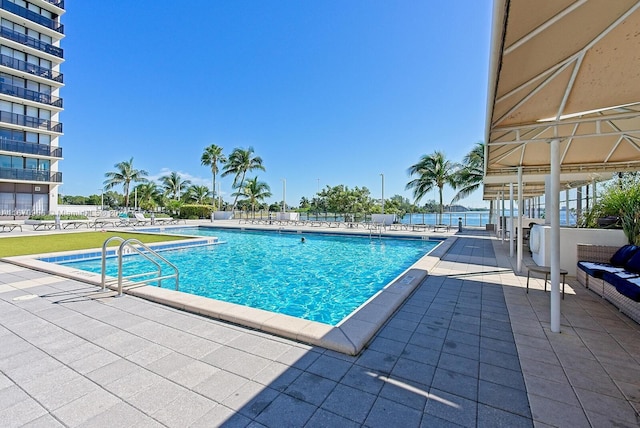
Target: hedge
x: 195, y: 211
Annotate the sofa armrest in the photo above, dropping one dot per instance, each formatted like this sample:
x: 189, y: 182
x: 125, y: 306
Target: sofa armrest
x: 596, y: 253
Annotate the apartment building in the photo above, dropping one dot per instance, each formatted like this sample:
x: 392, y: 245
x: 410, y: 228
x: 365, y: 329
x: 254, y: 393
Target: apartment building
x: 30, y: 105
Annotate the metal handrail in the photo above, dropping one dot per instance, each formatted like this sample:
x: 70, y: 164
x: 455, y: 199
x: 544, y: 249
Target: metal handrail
x: 104, y: 259
x: 130, y: 243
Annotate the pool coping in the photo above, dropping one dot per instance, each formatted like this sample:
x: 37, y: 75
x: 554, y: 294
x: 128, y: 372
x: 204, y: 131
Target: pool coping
x: 349, y: 336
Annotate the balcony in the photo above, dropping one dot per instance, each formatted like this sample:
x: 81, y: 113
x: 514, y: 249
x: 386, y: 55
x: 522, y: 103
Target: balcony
x: 36, y: 70
x: 30, y: 95
x: 32, y: 16
x: 31, y: 122
x: 30, y: 175
x: 59, y: 3
x: 24, y: 147
x: 32, y: 42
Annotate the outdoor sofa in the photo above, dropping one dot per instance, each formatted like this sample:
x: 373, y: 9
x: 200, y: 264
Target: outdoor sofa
x: 613, y: 273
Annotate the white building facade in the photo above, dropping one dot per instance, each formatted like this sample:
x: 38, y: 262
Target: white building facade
x: 30, y: 106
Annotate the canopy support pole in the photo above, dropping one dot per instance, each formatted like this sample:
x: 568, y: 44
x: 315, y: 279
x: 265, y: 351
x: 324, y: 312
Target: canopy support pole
x: 554, y: 214
x: 511, y: 218
x: 520, y: 213
x: 503, y: 223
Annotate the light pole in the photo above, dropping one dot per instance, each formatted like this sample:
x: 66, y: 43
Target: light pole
x: 101, y: 199
x: 318, y: 200
x: 284, y: 195
x: 382, y: 175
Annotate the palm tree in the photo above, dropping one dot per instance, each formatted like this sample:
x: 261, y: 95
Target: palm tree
x: 254, y: 191
x: 173, y: 185
x: 470, y: 176
x: 198, y: 194
x: 211, y: 156
x: 124, y: 175
x: 239, y: 163
x: 432, y: 171
x: 148, y: 195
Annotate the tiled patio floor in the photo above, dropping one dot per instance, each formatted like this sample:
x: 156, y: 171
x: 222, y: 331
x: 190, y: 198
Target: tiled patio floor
x: 468, y: 348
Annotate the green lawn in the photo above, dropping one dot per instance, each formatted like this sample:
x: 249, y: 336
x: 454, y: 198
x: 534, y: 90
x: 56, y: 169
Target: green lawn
x: 24, y: 245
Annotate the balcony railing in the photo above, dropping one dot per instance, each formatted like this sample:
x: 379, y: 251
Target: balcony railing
x: 59, y: 3
x: 31, y: 16
x: 30, y: 175
x: 32, y: 42
x: 36, y: 70
x: 31, y: 122
x: 28, y: 94
x: 24, y: 147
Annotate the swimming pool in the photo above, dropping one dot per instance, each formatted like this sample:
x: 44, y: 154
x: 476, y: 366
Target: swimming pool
x: 323, y: 279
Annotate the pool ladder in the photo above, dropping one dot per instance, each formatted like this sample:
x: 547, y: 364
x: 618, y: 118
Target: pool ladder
x: 376, y: 228
x: 149, y: 254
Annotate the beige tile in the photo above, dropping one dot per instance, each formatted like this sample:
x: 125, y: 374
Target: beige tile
x: 605, y: 405
x: 556, y: 413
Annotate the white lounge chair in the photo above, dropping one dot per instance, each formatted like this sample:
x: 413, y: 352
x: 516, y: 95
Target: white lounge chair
x: 141, y: 220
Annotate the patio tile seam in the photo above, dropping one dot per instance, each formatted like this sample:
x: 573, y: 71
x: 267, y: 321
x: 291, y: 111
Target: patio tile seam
x: 129, y: 311
x: 567, y: 366
x: 51, y: 412
x: 49, y: 355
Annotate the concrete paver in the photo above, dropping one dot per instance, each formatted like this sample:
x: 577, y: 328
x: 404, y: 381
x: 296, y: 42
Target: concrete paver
x: 468, y: 347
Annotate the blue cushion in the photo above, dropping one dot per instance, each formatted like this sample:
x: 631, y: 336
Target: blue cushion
x: 622, y: 256
x: 591, y: 271
x: 623, y: 286
x: 633, y: 264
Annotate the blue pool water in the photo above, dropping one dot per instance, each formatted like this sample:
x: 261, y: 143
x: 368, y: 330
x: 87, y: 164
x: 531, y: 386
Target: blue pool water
x: 323, y: 279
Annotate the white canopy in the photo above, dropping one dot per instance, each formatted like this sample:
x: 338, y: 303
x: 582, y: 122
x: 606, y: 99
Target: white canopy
x: 563, y: 101
x: 566, y: 69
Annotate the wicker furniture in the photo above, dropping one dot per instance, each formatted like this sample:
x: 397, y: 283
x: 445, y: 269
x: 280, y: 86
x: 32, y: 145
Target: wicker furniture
x: 598, y: 254
x: 603, y: 254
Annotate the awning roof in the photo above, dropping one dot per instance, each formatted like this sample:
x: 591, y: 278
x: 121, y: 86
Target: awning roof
x: 567, y: 69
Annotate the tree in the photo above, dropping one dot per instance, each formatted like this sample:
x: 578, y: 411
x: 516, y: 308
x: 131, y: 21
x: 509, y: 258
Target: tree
x: 432, y: 171
x: 304, y: 203
x: 340, y: 199
x: 113, y: 199
x: 149, y: 196
x: 125, y: 175
x: 470, y: 177
x: 254, y: 191
x: 199, y: 194
x: 239, y: 163
x: 173, y: 185
x: 211, y: 156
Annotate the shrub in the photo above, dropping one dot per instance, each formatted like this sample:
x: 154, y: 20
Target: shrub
x: 621, y: 199
x: 195, y: 211
x: 62, y: 217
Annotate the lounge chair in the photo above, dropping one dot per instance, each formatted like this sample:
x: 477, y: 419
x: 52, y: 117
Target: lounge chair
x: 141, y: 220
x: 8, y: 227
x: 101, y: 222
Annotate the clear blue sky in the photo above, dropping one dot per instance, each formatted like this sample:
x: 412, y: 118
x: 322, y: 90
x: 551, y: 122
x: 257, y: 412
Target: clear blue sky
x: 339, y: 91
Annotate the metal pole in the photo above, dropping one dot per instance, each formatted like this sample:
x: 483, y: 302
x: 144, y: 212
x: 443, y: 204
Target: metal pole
x: 511, y: 218
x: 284, y: 195
x: 566, y: 207
x: 382, y: 175
x: 579, y: 203
x: 101, y: 200
x: 554, y: 214
x: 520, y: 212
x: 503, y: 223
